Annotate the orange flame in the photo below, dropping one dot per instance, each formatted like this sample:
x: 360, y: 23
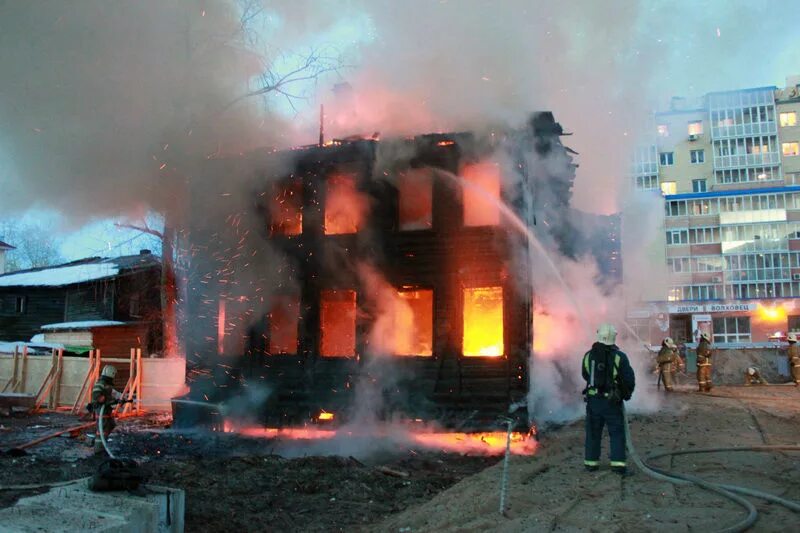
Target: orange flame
x: 345, y: 207
x: 481, y: 194
x: 483, y: 322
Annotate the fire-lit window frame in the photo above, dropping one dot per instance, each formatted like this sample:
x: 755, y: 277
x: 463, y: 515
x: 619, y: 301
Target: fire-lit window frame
x: 429, y: 290
x: 420, y: 203
x: 695, y: 127
x: 790, y: 149
x: 477, y: 210
x: 295, y: 303
x: 322, y: 324
x: 285, y: 208
x: 342, y: 185
x: 788, y: 119
x: 483, y: 320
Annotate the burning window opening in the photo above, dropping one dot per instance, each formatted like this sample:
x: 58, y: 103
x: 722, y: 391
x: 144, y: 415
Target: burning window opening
x: 345, y: 207
x: 481, y: 194
x: 286, y: 209
x: 483, y: 322
x: 415, y: 192
x: 221, y: 327
x: 325, y: 416
x: 338, y: 323
x: 415, y: 326
x: 283, y: 317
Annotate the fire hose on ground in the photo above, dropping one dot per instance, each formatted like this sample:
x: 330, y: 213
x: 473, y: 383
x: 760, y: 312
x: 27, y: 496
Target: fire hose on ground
x: 730, y: 492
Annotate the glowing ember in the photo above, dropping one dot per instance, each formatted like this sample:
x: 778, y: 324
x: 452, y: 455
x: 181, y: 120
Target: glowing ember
x: 338, y: 323
x: 492, y: 443
x: 445, y: 143
x: 345, y: 207
x: 481, y: 194
x: 415, y: 326
x: 415, y: 190
x: 286, y: 210
x: 325, y: 416
x: 221, y: 327
x: 283, y: 320
x: 483, y: 322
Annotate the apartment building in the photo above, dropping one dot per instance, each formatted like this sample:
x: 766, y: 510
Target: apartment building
x: 728, y: 167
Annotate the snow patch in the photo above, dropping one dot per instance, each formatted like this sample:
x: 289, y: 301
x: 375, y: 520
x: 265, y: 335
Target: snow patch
x: 86, y: 324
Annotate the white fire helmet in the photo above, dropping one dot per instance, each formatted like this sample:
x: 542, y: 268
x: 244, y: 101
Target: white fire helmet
x: 751, y: 370
x: 606, y: 334
x: 792, y: 337
x: 109, y: 371
x: 669, y: 343
x: 705, y: 336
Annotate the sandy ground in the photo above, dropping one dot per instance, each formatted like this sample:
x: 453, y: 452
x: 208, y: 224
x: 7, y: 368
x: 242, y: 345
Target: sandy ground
x: 552, y: 492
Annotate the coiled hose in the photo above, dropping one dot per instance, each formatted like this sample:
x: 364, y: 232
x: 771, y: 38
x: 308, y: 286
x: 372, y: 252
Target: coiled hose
x: 728, y: 491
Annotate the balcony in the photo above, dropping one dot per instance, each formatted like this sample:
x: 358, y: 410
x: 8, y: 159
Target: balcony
x: 768, y: 159
x: 644, y: 169
x: 744, y: 130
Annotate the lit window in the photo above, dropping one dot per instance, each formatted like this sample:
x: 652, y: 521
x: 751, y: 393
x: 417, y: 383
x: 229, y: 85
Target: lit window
x: 697, y: 156
x: 481, y: 194
x: 698, y: 185
x: 483, y: 322
x: 345, y: 207
x: 284, y: 316
x: 415, y: 192
x: 696, y: 127
x: 788, y: 119
x: 338, y: 323
x: 669, y: 187
x: 791, y: 149
x: 666, y: 158
x: 663, y: 130
x: 286, y: 209
x: 413, y: 324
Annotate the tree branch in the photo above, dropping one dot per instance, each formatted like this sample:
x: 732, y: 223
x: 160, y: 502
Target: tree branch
x: 143, y: 229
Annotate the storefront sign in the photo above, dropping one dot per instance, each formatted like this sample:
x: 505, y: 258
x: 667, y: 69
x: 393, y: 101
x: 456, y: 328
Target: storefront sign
x: 719, y: 308
x: 685, y: 309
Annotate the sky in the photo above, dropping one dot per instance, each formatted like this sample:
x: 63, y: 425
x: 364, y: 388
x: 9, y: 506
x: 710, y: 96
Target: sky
x: 96, y: 97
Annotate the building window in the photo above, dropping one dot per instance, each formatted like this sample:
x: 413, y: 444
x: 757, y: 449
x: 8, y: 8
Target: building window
x: 698, y: 185
x: 793, y: 178
x: 794, y: 323
x: 666, y: 159
x: 669, y: 187
x: 483, y: 322
x: 697, y: 156
x: 286, y: 209
x: 791, y: 149
x: 696, y: 127
x: 788, y: 119
x: 677, y: 236
x: 676, y: 208
x: 134, y: 306
x: 677, y: 265
x: 647, y: 183
x: 412, y: 323
x: 283, y: 317
x: 481, y: 194
x: 732, y: 329
x: 345, y: 207
x: 338, y: 323
x: 663, y: 130
x: 415, y: 192
x: 20, y: 305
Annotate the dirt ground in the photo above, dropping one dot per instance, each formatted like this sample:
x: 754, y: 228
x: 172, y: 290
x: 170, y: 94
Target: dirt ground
x: 234, y: 483
x: 552, y: 492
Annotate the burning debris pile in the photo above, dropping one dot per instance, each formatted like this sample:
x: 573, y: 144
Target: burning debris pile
x: 360, y: 280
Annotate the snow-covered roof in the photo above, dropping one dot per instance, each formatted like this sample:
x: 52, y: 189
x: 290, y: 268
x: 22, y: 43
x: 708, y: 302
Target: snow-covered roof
x: 86, y: 324
x: 58, y: 276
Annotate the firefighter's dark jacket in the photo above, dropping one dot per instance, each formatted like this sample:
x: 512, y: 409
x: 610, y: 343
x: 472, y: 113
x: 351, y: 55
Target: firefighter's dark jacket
x: 617, y: 361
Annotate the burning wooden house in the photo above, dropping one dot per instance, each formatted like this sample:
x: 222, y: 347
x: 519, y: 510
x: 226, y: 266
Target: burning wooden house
x: 366, y: 274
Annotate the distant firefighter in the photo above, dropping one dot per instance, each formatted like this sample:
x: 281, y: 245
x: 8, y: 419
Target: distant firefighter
x: 704, y: 363
x: 668, y: 363
x: 752, y: 376
x: 794, y: 358
x: 609, y: 381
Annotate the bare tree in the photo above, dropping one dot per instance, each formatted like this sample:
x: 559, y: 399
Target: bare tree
x: 34, y: 245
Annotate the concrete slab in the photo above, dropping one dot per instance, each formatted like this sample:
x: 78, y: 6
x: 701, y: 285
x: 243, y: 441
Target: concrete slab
x: 76, y: 508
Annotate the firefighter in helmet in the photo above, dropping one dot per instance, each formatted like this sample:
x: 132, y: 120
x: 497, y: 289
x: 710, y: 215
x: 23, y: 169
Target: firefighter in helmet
x: 793, y: 354
x: 753, y: 376
x: 609, y: 381
x: 104, y: 395
x: 668, y: 363
x: 704, y: 363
